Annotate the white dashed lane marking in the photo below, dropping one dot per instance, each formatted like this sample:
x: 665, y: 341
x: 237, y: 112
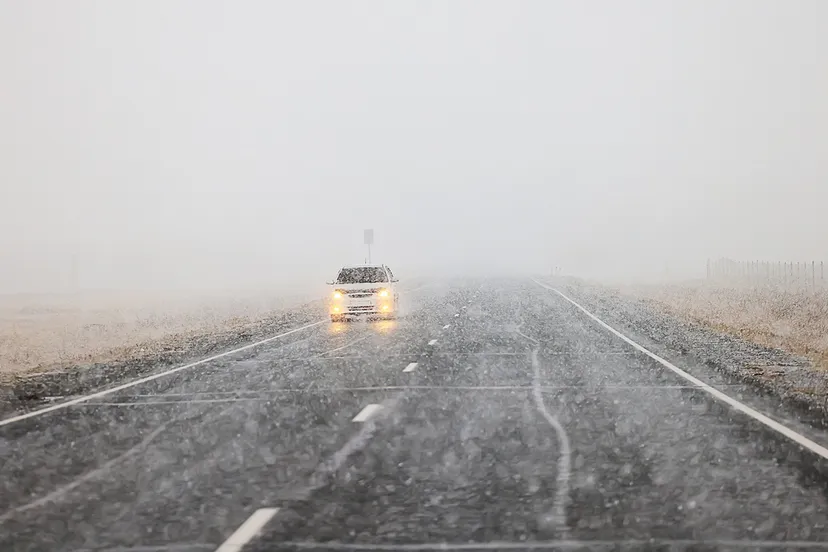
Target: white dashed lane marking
x: 411, y: 367
x: 366, y: 413
x: 447, y: 326
x: 432, y: 342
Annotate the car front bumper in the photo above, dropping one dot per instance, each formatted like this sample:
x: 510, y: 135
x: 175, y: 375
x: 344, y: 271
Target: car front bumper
x: 375, y: 308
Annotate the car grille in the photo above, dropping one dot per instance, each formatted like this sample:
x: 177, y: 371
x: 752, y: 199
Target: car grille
x: 360, y: 292
x: 361, y: 309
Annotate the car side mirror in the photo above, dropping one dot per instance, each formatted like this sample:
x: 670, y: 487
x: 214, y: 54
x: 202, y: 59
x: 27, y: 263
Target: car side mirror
x: 330, y: 283
x: 394, y: 280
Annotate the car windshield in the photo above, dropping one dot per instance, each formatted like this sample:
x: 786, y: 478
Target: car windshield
x: 361, y: 275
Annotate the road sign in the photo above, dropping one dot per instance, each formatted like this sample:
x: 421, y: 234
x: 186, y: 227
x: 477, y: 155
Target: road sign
x: 369, y: 241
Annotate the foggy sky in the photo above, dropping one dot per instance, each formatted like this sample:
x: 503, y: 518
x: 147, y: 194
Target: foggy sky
x: 201, y: 143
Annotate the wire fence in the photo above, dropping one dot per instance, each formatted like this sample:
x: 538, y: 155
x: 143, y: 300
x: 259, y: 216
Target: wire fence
x: 809, y: 274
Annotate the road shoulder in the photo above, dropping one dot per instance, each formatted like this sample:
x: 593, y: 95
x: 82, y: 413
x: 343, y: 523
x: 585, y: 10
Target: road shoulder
x: 791, y: 379
x: 26, y: 392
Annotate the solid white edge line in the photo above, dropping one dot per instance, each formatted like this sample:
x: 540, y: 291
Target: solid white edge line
x: 411, y: 367
x: 432, y: 342
x: 727, y: 399
x: 105, y: 392
x: 248, y: 530
x: 367, y: 412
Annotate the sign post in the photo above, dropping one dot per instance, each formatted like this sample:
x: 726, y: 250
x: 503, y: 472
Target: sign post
x: 369, y: 241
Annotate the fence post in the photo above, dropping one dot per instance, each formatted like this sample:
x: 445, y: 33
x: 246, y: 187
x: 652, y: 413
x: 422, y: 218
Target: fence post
x: 813, y: 274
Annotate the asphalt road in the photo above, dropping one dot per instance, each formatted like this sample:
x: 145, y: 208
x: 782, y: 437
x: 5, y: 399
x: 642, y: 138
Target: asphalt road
x: 523, y: 424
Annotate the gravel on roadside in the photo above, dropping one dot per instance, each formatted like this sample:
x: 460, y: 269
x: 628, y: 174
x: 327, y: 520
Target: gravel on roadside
x: 30, y: 391
x: 791, y: 378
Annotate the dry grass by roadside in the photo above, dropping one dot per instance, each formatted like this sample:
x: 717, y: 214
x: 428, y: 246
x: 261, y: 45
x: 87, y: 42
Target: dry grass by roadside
x: 50, y: 332
x: 792, y: 320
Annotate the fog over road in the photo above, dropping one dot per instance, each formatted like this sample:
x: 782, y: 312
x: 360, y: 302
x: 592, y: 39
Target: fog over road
x: 493, y: 414
x: 178, y: 180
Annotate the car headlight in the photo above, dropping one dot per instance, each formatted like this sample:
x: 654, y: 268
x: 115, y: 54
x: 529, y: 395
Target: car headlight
x: 383, y: 293
x: 338, y: 294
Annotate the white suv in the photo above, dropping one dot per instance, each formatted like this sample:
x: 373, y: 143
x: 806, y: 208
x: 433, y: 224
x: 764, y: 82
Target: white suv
x: 366, y: 290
